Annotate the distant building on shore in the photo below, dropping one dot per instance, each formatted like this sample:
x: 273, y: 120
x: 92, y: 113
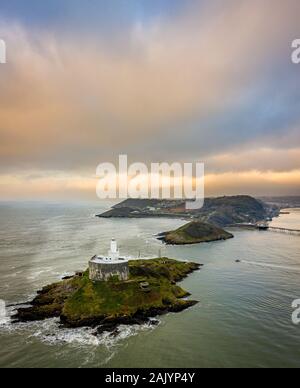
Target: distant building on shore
x: 103, y: 269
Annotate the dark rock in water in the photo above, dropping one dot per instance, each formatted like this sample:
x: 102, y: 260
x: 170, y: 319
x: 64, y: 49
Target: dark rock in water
x: 115, y: 333
x: 40, y: 313
x: 153, y: 322
x: 107, y: 328
x: 112, y: 326
x: 77, y: 274
x: 238, y: 261
x: 49, y: 302
x: 179, y: 307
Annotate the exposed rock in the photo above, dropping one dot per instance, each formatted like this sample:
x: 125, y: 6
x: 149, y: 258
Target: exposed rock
x: 79, y: 302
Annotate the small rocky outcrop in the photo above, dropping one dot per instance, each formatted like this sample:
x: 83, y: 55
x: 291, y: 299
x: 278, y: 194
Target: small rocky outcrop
x: 194, y: 233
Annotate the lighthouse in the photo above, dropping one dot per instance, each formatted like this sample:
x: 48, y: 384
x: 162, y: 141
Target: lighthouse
x: 113, y: 253
x: 109, y: 267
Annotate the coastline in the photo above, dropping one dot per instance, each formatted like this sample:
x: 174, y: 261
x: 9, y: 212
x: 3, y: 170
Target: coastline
x: 78, y: 302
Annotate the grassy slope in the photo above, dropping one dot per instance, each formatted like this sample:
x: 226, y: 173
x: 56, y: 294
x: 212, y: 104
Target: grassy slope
x: 115, y: 299
x: 80, y: 302
x: 196, y: 232
x: 223, y: 211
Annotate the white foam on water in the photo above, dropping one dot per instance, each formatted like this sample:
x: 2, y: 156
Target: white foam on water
x: 52, y: 333
x: 36, y: 274
x: 12, y: 275
x: 5, y: 316
x: 273, y: 266
x: 5, y: 320
x: 64, y: 275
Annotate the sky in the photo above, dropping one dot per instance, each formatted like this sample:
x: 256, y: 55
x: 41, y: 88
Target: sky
x: 159, y: 80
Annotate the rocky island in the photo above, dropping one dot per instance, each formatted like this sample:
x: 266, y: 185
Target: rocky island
x: 150, y: 290
x: 194, y: 233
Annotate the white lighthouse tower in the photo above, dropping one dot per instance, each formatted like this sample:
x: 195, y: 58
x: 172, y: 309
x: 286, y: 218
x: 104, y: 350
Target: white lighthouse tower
x: 114, y: 253
x: 108, y: 267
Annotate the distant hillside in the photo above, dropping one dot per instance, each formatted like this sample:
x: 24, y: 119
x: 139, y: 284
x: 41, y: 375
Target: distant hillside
x: 226, y: 211
x: 195, y: 233
x: 283, y: 202
x: 223, y: 211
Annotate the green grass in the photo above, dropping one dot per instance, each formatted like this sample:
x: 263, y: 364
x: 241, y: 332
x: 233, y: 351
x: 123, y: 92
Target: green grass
x: 117, y: 299
x: 196, y: 232
x: 80, y: 302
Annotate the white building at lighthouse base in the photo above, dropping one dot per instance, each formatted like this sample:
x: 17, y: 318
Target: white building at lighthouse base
x: 103, y: 269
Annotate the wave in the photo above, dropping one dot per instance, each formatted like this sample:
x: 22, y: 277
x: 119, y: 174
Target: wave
x: 271, y: 265
x: 50, y: 332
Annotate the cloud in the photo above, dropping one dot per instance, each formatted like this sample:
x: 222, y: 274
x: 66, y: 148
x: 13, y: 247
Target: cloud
x: 254, y: 183
x: 56, y: 185
x: 197, y: 86
x: 262, y: 159
x: 50, y: 184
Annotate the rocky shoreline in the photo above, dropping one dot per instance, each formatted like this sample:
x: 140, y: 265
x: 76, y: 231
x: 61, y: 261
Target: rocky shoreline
x: 78, y: 302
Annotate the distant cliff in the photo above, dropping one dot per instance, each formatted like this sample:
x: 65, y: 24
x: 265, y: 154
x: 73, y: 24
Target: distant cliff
x: 223, y: 211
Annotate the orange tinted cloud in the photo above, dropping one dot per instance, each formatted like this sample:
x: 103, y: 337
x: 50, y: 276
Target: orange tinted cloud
x: 254, y: 183
x: 56, y: 185
x: 68, y: 103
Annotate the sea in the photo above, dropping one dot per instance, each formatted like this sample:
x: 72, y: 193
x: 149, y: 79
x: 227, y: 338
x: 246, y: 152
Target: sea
x: 244, y: 314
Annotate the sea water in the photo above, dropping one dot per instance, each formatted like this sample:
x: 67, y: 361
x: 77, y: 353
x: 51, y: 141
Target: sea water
x: 243, y: 318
